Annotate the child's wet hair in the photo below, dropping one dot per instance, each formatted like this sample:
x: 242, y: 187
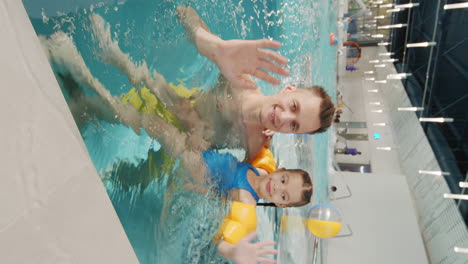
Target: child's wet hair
x: 307, y: 186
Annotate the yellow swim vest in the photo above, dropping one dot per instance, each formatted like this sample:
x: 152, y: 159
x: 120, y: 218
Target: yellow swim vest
x: 242, y: 219
x: 265, y: 160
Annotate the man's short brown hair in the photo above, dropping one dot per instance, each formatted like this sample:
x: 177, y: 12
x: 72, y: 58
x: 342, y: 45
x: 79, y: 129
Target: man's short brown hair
x: 326, y: 109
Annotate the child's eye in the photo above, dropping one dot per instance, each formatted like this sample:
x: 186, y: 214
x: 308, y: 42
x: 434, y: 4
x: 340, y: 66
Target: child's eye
x: 283, y: 196
x: 293, y: 126
x: 294, y: 107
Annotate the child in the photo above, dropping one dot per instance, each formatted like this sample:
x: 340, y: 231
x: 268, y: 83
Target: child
x: 246, y: 184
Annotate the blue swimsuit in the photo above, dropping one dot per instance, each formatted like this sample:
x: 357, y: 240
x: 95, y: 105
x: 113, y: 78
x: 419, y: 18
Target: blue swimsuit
x: 228, y: 173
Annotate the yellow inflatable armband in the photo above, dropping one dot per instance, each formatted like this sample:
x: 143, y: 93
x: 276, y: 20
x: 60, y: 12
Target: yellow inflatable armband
x: 241, y: 220
x: 265, y: 160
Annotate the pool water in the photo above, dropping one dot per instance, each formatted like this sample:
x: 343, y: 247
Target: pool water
x: 164, y: 222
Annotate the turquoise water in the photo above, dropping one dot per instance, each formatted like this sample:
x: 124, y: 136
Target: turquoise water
x: 162, y: 220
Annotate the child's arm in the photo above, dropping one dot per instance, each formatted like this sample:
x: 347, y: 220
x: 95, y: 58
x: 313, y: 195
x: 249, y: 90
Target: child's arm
x: 238, y: 229
x: 245, y: 252
x: 236, y: 59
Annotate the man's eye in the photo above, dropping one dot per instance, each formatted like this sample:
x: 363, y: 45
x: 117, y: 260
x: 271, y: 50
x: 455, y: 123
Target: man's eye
x: 294, y: 107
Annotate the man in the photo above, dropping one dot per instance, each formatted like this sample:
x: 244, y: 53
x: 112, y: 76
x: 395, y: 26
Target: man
x: 233, y: 114
x: 291, y: 111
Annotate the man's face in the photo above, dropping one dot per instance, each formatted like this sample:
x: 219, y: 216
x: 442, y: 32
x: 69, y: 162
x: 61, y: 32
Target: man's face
x: 292, y: 111
x: 282, y: 187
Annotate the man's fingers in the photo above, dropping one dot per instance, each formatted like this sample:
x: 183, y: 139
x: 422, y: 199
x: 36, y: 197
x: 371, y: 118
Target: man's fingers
x: 268, y: 65
x: 261, y: 74
x: 247, y: 83
x: 269, y: 54
x: 268, y: 252
x: 266, y: 43
x: 268, y: 133
x: 265, y: 260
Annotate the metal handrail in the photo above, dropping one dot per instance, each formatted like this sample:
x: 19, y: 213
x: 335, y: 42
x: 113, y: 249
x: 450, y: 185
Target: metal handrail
x: 345, y: 235
x: 316, y: 244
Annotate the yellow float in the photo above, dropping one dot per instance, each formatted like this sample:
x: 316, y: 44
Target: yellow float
x: 324, y: 221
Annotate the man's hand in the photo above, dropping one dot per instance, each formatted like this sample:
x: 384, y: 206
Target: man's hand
x: 238, y: 58
x: 246, y: 252
x: 268, y: 134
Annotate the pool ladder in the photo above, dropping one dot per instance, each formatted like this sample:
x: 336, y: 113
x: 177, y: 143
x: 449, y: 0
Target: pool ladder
x: 317, y: 240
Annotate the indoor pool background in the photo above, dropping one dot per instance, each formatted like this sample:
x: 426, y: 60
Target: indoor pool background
x: 162, y: 221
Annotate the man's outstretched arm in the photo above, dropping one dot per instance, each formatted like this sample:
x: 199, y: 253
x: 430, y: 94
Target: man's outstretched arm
x: 236, y: 58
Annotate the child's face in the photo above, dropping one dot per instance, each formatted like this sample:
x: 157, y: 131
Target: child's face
x: 282, y: 187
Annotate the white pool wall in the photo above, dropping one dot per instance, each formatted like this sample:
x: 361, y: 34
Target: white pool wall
x: 397, y: 215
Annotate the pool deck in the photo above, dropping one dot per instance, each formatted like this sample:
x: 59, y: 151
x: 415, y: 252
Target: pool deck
x: 380, y: 222
x: 54, y: 208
